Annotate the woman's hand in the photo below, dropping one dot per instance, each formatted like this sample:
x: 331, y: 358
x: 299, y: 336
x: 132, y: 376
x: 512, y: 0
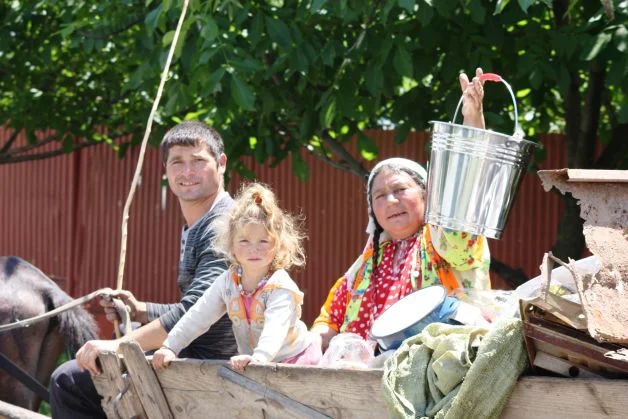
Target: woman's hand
x: 473, y: 92
x: 323, y: 334
x: 162, y: 358
x: 239, y: 362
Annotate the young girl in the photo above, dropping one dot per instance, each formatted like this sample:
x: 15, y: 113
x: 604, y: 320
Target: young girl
x: 262, y: 301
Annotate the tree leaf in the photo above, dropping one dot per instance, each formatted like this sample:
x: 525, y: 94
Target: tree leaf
x: 536, y: 78
x: 425, y: 14
x: 210, y: 29
x: 403, y: 62
x: 598, y: 44
x: 247, y: 65
x: 152, y: 18
x: 242, y: 93
x: 317, y: 5
x: 299, y: 167
x: 167, y: 39
x: 328, y: 113
x: 402, y: 132
x: 373, y: 78
x: 478, y: 13
x: 620, y: 38
x: 445, y: 8
x: 255, y: 34
x: 278, y: 32
x: 210, y: 85
x: 525, y: 4
x: 328, y: 54
x: 407, y: 4
x: 622, y: 115
x: 259, y: 153
x: 500, y: 6
x: 68, y: 143
x: 366, y: 147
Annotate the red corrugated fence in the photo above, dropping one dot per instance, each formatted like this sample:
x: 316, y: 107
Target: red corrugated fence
x: 64, y: 214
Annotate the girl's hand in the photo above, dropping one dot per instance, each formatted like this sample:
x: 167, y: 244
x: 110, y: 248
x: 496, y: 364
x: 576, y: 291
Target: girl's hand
x: 238, y: 362
x: 473, y: 92
x: 162, y: 358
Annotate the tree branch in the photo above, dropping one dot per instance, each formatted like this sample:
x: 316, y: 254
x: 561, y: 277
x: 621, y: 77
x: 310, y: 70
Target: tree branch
x: 589, y: 124
x: 26, y: 148
x: 615, y: 150
x: 9, y: 142
x: 323, y: 157
x: 92, y: 35
x: 45, y: 155
x: 351, y: 163
x: 513, y: 276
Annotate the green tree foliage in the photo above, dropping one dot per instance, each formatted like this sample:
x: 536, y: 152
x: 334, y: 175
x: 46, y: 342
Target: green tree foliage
x: 280, y: 78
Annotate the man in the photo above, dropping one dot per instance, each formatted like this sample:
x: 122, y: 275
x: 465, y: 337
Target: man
x: 195, y: 164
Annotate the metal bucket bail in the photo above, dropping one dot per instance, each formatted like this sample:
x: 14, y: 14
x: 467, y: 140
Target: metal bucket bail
x: 474, y: 174
x: 496, y: 78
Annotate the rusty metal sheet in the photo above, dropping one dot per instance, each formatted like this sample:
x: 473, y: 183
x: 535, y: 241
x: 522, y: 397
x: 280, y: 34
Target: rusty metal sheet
x: 603, y: 200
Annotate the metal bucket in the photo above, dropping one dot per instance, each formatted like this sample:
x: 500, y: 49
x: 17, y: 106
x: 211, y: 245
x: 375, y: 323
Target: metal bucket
x: 474, y: 174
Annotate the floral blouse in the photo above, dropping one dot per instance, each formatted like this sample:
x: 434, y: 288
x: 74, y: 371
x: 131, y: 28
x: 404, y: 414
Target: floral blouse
x: 433, y: 256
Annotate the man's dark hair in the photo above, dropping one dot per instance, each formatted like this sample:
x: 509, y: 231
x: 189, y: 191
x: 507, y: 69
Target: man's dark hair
x: 191, y: 134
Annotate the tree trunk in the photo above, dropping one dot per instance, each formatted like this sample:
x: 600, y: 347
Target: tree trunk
x: 569, y: 240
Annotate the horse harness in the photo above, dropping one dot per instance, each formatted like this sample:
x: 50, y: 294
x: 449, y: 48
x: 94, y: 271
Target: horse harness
x: 24, y: 377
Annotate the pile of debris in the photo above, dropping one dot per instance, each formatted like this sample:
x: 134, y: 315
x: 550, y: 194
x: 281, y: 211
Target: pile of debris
x: 586, y: 335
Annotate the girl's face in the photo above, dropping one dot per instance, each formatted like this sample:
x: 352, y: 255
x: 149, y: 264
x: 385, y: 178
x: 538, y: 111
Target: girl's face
x: 253, y: 248
x: 397, y: 203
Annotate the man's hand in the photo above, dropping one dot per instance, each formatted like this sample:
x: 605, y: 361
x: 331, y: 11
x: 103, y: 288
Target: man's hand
x: 239, y: 362
x: 137, y: 309
x: 162, y: 358
x: 473, y: 92
x: 87, y: 355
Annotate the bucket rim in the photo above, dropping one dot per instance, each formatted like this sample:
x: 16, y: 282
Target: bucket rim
x: 512, y: 137
x: 440, y: 300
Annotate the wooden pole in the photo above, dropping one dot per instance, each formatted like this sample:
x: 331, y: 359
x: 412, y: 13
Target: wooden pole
x: 140, y: 161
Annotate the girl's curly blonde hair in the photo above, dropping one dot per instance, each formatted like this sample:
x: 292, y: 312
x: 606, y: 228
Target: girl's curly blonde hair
x: 256, y: 203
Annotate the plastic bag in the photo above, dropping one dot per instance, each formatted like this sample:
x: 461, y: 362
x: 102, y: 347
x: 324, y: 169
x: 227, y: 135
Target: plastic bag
x: 563, y: 283
x: 349, y: 351
x: 493, y: 304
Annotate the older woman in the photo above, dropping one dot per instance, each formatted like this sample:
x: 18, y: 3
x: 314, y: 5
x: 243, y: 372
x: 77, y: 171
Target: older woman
x: 404, y: 254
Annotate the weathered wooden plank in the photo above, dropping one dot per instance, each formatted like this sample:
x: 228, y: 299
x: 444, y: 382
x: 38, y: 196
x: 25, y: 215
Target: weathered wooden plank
x: 333, y: 392
x: 119, y: 394
x: 9, y: 411
x: 270, y: 394
x: 588, y: 175
x: 545, y: 397
x: 145, y: 381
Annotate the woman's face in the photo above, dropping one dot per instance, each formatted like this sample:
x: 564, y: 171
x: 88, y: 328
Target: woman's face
x: 397, y: 203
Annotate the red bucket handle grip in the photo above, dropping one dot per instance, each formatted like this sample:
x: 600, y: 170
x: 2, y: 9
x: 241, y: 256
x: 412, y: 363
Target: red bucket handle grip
x: 491, y: 77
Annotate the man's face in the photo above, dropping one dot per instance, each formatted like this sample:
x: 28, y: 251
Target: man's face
x: 193, y: 173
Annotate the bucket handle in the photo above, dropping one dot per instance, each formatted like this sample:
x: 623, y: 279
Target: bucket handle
x: 496, y: 78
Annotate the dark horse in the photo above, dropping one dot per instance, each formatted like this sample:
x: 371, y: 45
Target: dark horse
x: 26, y: 292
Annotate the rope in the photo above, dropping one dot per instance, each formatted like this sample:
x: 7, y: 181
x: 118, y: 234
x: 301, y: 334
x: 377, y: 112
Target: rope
x: 103, y: 292
x: 140, y: 162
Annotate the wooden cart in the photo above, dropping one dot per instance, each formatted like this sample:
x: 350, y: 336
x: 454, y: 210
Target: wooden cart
x: 203, y: 389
